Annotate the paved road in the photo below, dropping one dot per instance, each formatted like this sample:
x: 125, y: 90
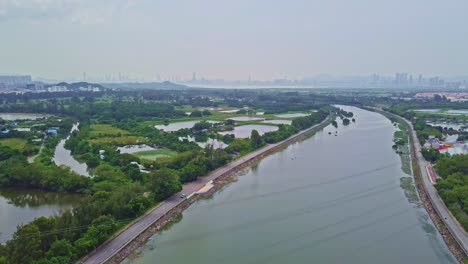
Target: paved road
x: 107, y: 251
x: 452, y: 224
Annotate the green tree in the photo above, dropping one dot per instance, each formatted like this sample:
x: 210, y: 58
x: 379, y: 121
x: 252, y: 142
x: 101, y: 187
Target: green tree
x: 100, y: 229
x: 196, y: 113
x: 93, y: 161
x: 47, y: 226
x: 229, y: 122
x: 61, y: 248
x: 164, y: 183
x: 431, y: 155
x: 255, y: 139
x: 139, y: 204
x: 334, y: 123
x: 25, y: 246
x: 133, y: 172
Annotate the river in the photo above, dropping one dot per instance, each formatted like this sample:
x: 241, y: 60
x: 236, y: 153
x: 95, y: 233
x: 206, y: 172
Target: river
x: 22, y: 206
x: 328, y: 199
x: 63, y: 156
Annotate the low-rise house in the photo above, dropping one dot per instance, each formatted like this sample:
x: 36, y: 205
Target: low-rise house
x: 435, y: 142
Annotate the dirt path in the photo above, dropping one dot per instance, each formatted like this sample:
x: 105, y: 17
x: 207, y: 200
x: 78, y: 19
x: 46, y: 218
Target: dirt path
x: 32, y: 158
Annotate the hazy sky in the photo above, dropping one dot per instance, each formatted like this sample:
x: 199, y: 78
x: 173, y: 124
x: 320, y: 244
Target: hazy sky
x: 233, y: 39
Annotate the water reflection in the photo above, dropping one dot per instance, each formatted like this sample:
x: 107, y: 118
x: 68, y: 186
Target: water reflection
x: 216, y: 144
x: 278, y: 122
x: 21, y: 116
x: 22, y: 206
x: 63, y: 156
x: 172, y: 127
x: 292, y: 115
x: 245, y: 131
x: 130, y: 149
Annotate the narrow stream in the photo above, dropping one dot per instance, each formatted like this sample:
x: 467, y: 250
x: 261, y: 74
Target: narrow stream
x: 62, y: 156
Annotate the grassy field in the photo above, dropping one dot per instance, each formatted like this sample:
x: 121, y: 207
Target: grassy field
x: 102, y: 130
x: 107, y: 134
x: 14, y: 143
x: 118, y: 141
x: 217, y: 116
x: 155, y: 154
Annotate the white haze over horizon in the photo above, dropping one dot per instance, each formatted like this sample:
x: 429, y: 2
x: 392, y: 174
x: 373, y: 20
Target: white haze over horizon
x: 263, y: 39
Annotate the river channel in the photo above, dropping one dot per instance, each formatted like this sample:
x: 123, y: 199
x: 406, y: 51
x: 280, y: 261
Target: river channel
x: 328, y: 199
x: 63, y: 156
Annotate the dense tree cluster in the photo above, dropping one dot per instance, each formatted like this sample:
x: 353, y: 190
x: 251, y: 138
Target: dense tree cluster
x: 83, y: 109
x: 244, y: 146
x: 453, y: 187
x: 424, y: 131
x: 310, y: 120
x: 15, y: 171
x: 431, y: 155
x: 342, y: 113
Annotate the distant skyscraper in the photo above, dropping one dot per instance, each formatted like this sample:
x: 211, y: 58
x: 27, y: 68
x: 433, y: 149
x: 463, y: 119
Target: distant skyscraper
x: 194, y: 76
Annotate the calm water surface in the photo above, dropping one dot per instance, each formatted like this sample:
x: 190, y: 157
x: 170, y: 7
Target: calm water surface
x: 172, y: 127
x: 246, y: 118
x: 278, y: 122
x: 22, y: 206
x: 216, y: 144
x: 130, y: 149
x: 447, y: 112
x: 63, y: 157
x: 328, y: 199
x: 292, y: 115
x: 458, y: 112
x: 21, y: 116
x: 246, y: 131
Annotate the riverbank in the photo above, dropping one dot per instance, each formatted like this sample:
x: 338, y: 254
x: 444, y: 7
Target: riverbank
x: 452, y: 243
x: 137, y: 234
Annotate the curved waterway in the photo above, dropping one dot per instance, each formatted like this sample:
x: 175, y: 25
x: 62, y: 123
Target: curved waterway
x: 63, y: 157
x: 328, y: 199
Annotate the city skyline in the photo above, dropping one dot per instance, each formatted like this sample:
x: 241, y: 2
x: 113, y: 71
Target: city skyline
x: 262, y: 39
x: 398, y: 80
x: 398, y: 77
